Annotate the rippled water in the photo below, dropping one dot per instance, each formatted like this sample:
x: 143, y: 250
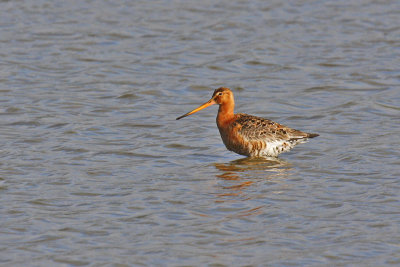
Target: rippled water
x: 95, y: 170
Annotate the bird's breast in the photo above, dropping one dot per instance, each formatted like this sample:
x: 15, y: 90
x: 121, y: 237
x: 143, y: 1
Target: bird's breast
x: 235, y: 141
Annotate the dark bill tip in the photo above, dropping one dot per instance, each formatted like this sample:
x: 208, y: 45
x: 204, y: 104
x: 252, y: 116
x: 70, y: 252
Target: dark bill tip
x: 181, y: 117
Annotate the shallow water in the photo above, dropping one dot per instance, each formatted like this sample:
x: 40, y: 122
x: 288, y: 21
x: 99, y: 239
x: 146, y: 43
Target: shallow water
x: 95, y: 169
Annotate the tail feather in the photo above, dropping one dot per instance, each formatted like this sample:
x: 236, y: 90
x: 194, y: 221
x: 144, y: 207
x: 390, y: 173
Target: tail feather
x: 303, y: 137
x: 312, y: 135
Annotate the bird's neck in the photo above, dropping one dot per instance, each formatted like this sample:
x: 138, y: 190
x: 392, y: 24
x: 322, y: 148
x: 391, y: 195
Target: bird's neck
x: 225, y: 113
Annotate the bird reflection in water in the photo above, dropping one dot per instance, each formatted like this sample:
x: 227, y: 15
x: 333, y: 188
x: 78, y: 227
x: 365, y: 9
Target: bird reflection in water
x: 243, y: 173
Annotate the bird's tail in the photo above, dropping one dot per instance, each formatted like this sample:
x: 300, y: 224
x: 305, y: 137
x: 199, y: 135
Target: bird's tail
x: 312, y: 135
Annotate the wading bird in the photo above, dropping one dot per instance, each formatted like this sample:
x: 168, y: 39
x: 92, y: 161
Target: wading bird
x: 250, y: 135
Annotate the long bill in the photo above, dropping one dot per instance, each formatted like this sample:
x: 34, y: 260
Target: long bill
x: 207, y: 104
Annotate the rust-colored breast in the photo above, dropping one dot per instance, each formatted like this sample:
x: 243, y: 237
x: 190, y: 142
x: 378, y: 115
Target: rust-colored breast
x: 234, y: 140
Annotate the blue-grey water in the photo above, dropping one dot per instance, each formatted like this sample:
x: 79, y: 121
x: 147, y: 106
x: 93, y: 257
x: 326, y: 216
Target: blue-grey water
x: 96, y: 171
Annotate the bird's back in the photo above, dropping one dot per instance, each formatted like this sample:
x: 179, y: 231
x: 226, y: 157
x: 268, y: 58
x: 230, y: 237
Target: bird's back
x: 255, y: 136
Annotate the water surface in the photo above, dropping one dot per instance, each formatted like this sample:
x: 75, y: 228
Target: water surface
x: 95, y: 170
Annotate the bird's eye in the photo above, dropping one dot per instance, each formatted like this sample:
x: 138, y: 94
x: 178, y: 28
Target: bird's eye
x: 220, y: 93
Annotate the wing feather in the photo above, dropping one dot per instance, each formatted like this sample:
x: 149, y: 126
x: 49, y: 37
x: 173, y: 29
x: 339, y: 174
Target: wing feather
x: 257, y: 128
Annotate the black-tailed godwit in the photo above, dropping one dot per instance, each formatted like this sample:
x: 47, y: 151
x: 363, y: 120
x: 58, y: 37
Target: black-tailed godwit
x: 250, y: 135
